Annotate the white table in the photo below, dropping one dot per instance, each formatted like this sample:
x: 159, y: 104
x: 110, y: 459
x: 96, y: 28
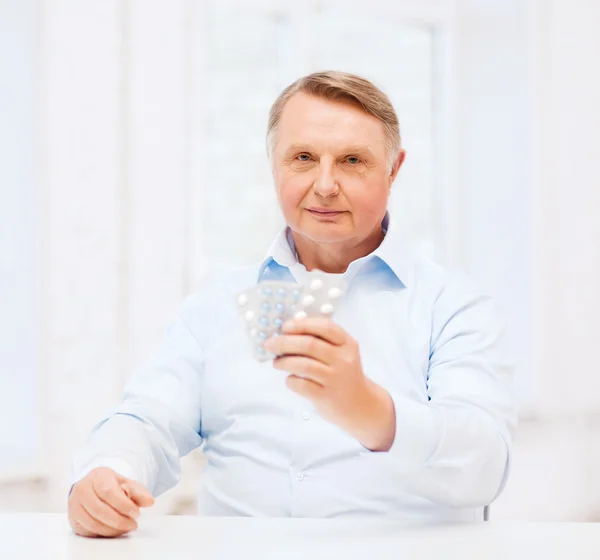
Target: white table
x: 48, y: 536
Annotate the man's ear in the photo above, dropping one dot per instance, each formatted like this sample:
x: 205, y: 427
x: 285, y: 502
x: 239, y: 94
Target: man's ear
x: 397, y: 165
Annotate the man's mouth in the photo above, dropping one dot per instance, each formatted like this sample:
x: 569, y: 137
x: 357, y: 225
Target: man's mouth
x: 324, y: 212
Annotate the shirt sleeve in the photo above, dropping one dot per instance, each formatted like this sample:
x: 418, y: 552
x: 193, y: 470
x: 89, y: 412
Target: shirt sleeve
x: 159, y: 419
x: 455, y: 449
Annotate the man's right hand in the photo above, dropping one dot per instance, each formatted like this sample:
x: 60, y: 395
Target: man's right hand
x: 106, y: 504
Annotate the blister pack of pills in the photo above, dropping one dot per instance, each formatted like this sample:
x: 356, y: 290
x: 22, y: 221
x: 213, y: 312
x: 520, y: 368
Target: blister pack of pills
x: 267, y: 305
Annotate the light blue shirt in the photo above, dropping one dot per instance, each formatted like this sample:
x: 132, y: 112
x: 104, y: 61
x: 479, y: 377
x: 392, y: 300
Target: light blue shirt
x: 424, y: 334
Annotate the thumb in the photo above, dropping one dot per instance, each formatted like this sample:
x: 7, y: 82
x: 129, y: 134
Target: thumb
x: 137, y: 493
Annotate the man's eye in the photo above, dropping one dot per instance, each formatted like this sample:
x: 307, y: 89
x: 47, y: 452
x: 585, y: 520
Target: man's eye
x: 303, y: 157
x: 353, y: 160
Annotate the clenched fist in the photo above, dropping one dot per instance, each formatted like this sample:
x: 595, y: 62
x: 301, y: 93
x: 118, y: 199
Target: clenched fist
x: 106, y: 504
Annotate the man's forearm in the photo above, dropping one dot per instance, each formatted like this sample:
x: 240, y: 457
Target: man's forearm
x: 374, y: 424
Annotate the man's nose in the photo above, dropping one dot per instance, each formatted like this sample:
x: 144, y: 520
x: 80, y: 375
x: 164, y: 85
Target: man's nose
x: 326, y: 183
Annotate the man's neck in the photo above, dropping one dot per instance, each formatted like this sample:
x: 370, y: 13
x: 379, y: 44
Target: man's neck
x: 334, y: 257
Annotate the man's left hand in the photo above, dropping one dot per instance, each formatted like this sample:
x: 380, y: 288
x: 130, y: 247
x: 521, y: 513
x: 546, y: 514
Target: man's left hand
x: 324, y: 364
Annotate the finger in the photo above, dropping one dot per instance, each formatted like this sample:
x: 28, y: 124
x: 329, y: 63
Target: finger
x: 102, y: 472
x: 74, y: 520
x: 317, y: 326
x: 301, y: 345
x: 106, y: 515
x: 303, y: 367
x: 86, y: 526
x: 304, y: 387
x: 138, y: 493
x: 111, y: 493
x: 120, y: 478
x: 78, y: 529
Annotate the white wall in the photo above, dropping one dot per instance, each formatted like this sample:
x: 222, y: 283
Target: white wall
x: 494, y: 133
x: 567, y: 190
x: 114, y: 172
x: 531, y: 230
x: 82, y: 169
x: 20, y: 212
x: 528, y: 85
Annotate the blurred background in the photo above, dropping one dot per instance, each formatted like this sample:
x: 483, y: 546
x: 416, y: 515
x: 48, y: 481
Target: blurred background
x: 133, y: 166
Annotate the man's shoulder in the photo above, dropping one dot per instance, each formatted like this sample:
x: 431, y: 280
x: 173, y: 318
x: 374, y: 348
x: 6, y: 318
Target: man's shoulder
x: 428, y: 273
x: 457, y: 302
x: 213, y: 301
x: 444, y: 283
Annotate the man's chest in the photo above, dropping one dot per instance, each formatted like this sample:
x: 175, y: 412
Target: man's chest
x: 394, y: 341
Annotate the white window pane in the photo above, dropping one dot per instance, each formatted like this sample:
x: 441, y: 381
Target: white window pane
x: 240, y: 77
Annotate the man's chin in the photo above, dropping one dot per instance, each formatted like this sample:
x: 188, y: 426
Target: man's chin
x: 324, y: 233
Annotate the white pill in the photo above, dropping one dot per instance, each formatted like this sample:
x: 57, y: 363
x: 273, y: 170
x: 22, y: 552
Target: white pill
x: 300, y: 315
x: 316, y: 284
x: 249, y: 315
x: 308, y: 300
x: 326, y: 308
x: 334, y: 293
x: 242, y: 299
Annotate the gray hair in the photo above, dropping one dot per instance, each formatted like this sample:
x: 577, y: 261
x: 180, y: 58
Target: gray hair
x: 341, y: 86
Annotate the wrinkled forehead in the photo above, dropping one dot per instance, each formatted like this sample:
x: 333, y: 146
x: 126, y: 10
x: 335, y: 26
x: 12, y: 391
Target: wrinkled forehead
x: 328, y: 125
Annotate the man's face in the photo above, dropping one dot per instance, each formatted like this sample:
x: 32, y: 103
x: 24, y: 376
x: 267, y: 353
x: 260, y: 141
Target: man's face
x: 330, y: 170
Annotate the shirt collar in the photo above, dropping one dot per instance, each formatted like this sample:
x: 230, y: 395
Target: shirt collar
x: 395, y: 253
x: 392, y: 252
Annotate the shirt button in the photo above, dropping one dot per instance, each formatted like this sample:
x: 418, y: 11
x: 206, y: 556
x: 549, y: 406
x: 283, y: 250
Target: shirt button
x: 306, y: 415
x: 299, y: 477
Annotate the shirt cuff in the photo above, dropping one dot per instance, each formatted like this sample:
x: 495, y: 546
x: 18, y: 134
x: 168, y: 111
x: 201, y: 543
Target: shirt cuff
x: 116, y: 464
x: 419, y: 430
